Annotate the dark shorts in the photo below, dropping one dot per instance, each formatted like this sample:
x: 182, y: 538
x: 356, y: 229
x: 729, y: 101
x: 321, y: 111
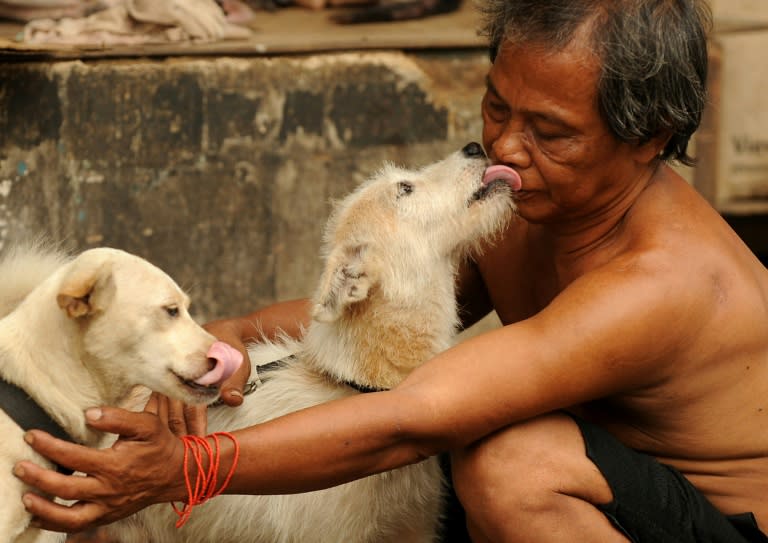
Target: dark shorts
x: 653, y: 502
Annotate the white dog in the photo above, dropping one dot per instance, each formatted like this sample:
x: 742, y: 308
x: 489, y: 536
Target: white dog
x: 82, y: 332
x: 384, y: 305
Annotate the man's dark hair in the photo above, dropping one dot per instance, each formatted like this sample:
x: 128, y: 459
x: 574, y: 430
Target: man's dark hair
x: 653, y: 55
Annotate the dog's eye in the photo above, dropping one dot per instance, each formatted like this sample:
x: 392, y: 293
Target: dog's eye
x: 172, y: 310
x: 404, y: 188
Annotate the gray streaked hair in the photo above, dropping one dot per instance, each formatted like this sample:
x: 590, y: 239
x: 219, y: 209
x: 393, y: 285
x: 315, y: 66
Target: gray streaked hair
x: 653, y: 56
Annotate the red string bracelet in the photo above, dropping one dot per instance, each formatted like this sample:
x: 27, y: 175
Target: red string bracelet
x: 205, y: 482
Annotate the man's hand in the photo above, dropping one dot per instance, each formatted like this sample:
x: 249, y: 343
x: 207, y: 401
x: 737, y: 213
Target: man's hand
x: 228, y: 331
x: 144, y: 466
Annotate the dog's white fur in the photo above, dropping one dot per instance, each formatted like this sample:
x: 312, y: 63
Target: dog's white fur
x: 384, y: 305
x: 81, y: 332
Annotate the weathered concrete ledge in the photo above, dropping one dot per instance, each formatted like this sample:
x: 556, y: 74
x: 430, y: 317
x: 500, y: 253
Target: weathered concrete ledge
x: 220, y: 170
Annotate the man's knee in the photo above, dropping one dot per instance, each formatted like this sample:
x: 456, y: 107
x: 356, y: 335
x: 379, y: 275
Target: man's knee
x: 526, y: 465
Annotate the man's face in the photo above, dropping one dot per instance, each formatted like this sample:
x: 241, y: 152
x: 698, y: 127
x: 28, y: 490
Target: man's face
x: 540, y: 117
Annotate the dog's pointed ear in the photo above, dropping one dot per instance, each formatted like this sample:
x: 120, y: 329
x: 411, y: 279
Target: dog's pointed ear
x: 85, y: 287
x: 347, y: 279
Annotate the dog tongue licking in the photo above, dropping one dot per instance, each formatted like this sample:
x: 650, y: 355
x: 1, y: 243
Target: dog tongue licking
x: 499, y: 172
x: 227, y: 361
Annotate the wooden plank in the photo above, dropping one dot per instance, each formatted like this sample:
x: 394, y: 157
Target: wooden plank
x: 288, y: 30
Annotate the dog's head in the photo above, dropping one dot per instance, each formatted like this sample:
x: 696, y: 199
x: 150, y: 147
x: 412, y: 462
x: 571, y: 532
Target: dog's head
x: 404, y: 223
x: 136, y: 328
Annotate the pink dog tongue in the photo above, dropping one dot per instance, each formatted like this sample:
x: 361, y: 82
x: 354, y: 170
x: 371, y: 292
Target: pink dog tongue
x: 227, y: 360
x: 503, y: 173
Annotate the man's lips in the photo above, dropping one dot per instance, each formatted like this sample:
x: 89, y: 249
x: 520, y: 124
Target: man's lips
x: 523, y: 194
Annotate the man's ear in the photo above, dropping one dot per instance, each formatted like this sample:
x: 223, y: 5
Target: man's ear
x: 347, y: 279
x: 648, y: 152
x: 86, y: 287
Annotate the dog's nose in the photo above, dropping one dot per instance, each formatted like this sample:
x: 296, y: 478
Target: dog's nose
x: 473, y: 150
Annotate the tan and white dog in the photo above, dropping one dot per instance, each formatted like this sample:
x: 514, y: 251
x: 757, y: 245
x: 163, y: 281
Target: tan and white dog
x: 82, y: 332
x: 384, y: 305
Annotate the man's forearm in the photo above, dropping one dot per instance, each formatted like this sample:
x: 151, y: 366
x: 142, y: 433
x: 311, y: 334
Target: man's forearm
x: 287, y: 317
x: 320, y: 447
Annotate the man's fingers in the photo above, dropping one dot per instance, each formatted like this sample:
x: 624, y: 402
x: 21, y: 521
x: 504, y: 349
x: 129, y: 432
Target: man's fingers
x: 61, y: 518
x: 53, y: 482
x: 232, y: 388
x: 232, y: 396
x: 143, y: 466
x: 152, y: 405
x: 228, y: 331
x: 176, y: 419
x: 181, y: 418
x: 127, y: 424
x: 196, y: 418
x: 64, y: 453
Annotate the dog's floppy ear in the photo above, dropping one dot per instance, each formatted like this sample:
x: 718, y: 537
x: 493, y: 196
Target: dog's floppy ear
x: 347, y: 279
x: 85, y: 287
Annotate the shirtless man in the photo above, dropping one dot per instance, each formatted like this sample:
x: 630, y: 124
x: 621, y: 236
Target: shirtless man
x: 636, y: 323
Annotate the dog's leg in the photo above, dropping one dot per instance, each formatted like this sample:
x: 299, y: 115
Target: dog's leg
x: 13, y: 517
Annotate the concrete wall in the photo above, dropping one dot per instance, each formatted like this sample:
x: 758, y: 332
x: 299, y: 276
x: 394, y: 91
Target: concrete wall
x: 219, y: 170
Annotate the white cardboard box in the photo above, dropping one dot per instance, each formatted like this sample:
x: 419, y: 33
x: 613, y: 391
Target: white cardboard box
x: 739, y: 14
x: 732, y: 144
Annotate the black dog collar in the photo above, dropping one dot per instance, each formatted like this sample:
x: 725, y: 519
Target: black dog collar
x: 262, y: 370
x: 26, y: 412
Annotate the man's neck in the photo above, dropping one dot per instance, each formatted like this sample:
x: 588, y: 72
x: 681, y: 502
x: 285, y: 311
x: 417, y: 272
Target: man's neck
x: 582, y: 239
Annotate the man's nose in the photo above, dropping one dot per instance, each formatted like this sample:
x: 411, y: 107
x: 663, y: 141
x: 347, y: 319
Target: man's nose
x: 512, y: 147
